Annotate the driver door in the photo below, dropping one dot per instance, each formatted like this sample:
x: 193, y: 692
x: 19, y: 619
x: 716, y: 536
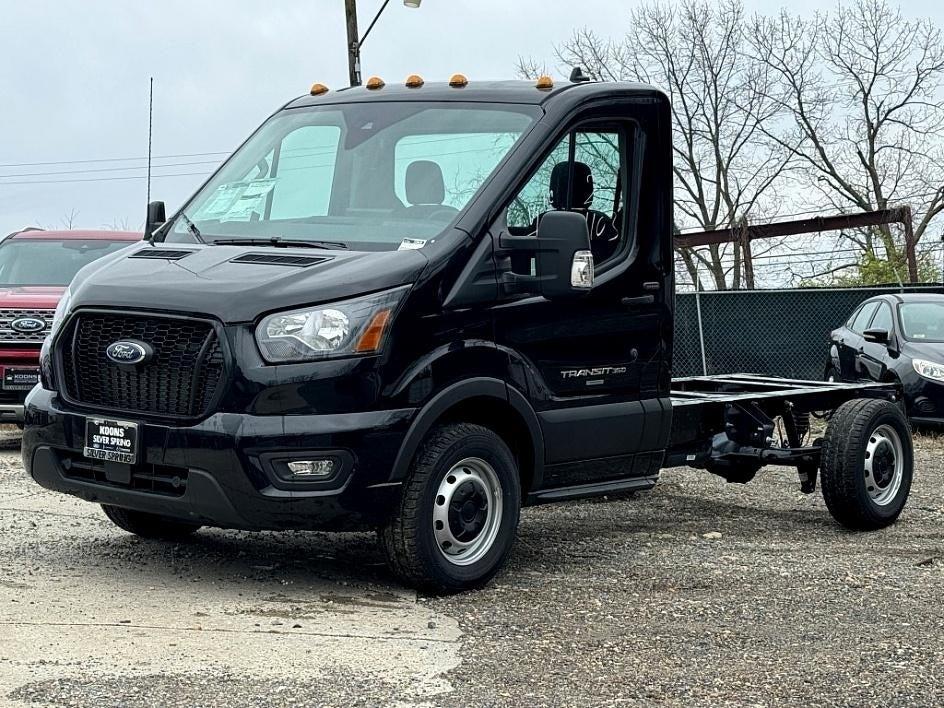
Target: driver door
x: 596, y: 367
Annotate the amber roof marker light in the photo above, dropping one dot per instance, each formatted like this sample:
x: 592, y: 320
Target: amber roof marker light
x: 355, y: 42
x: 318, y: 89
x: 458, y: 81
x: 374, y: 83
x: 414, y: 81
x: 544, y: 83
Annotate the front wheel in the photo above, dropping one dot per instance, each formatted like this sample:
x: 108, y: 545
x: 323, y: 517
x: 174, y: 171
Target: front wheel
x: 458, y: 513
x: 867, y: 464
x: 149, y: 525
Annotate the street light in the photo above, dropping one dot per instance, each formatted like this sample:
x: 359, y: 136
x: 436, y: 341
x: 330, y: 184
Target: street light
x: 354, y: 43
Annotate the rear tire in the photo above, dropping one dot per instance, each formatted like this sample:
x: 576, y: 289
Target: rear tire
x: 458, y: 513
x: 867, y: 464
x: 149, y: 525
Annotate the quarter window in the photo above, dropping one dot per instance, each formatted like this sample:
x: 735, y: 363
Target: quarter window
x: 883, y: 318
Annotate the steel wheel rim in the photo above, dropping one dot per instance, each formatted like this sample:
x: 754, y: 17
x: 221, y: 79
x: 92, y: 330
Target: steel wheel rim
x: 467, y: 511
x: 884, y: 465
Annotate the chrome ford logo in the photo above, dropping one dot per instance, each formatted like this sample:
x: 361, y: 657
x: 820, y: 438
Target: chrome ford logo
x: 128, y: 352
x: 28, y: 325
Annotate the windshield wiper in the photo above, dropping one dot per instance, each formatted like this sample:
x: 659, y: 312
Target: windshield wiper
x: 278, y: 242
x: 192, y: 227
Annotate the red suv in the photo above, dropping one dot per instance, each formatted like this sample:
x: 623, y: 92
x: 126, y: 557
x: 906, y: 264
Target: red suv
x: 35, y: 269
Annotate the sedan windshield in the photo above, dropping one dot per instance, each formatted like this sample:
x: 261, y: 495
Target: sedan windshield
x: 25, y: 261
x: 367, y: 175
x: 923, y: 321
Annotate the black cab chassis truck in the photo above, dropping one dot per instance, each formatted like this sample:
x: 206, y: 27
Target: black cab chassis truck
x: 418, y: 308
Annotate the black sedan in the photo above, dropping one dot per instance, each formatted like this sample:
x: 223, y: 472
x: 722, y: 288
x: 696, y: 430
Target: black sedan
x: 896, y: 338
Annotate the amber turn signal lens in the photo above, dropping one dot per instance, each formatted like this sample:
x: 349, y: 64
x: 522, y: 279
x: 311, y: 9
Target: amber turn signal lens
x: 318, y: 89
x: 414, y: 81
x: 373, y: 335
x: 374, y: 83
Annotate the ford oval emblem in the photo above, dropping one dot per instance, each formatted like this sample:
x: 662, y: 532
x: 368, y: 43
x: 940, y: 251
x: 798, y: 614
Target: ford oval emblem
x: 28, y: 325
x: 128, y: 352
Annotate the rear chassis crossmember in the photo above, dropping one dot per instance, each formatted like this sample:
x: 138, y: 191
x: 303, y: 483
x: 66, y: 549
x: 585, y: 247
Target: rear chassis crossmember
x: 727, y: 424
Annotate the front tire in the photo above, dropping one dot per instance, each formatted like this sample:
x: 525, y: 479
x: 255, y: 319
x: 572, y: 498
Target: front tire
x: 149, y: 525
x: 867, y: 464
x: 458, y: 514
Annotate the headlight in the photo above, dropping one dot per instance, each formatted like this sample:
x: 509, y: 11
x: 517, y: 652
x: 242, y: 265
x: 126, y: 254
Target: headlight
x: 62, y: 309
x: 928, y: 369
x: 346, y: 328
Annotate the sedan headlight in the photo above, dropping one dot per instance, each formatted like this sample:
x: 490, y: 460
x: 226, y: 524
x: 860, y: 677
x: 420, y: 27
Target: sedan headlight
x: 928, y: 369
x: 346, y: 328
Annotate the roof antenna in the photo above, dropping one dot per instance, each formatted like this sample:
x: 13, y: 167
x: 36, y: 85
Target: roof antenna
x: 577, y: 76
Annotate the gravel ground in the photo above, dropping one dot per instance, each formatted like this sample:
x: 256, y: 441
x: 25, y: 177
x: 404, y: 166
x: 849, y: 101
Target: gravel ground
x: 694, y: 594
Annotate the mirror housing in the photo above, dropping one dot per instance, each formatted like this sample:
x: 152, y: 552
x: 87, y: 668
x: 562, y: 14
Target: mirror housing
x: 156, y: 216
x: 563, y: 259
x: 877, y: 336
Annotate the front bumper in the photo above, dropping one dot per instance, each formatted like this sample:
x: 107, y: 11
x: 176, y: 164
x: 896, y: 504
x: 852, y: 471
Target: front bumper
x: 11, y: 413
x: 220, y: 472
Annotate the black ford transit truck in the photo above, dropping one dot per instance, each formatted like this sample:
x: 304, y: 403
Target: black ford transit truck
x: 418, y: 308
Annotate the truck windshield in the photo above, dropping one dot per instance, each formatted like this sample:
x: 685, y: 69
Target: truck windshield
x: 25, y: 261
x: 368, y: 175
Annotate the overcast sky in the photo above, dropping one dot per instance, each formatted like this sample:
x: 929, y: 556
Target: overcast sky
x: 74, y: 81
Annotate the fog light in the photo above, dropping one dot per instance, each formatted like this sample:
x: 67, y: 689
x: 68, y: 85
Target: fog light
x: 311, y: 468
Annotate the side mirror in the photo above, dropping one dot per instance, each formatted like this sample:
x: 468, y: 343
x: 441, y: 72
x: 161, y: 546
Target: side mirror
x: 563, y: 259
x: 877, y: 336
x: 156, y: 216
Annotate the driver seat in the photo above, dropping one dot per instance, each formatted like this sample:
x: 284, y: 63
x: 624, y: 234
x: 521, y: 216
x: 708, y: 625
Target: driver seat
x: 425, y: 190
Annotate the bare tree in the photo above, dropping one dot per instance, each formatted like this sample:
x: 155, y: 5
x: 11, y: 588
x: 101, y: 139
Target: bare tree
x: 859, y: 90
x: 68, y: 220
x: 726, y: 166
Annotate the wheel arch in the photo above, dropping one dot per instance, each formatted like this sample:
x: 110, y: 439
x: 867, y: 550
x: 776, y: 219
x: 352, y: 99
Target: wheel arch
x: 488, y: 402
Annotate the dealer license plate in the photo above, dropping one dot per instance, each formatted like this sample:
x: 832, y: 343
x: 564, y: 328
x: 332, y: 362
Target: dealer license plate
x: 111, y: 440
x: 20, y: 379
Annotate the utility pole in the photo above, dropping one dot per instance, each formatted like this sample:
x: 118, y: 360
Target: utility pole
x: 353, y: 43
x: 150, y: 136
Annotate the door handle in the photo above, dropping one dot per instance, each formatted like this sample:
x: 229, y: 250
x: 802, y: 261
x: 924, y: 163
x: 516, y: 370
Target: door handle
x: 638, y: 300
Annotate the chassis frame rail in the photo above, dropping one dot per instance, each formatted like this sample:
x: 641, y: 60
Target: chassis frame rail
x: 726, y: 424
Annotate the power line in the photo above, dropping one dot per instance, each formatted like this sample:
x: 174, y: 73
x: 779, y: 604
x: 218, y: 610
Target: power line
x: 112, y: 159
x: 104, y: 179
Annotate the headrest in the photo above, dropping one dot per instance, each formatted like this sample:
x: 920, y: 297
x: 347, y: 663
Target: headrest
x: 583, y: 185
x: 424, y: 183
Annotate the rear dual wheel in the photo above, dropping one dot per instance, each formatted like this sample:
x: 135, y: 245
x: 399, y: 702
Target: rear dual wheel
x: 458, y: 513
x: 867, y: 464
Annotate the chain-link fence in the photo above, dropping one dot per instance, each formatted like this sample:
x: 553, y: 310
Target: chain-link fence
x: 773, y: 332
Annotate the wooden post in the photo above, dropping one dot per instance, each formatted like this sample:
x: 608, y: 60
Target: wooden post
x: 910, y: 244
x: 747, y: 256
x: 353, y: 43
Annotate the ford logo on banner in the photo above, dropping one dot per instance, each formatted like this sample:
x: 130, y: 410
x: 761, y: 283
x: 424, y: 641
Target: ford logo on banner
x: 28, y: 325
x: 128, y: 351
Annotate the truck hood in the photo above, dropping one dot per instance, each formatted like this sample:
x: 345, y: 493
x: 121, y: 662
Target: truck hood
x: 237, y: 283
x: 30, y: 297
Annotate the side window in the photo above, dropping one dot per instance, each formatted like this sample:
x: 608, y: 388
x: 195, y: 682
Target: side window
x: 861, y: 321
x: 590, y: 185
x: 883, y: 318
x: 302, y: 173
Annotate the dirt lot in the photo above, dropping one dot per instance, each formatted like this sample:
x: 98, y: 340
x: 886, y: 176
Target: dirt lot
x: 623, y: 602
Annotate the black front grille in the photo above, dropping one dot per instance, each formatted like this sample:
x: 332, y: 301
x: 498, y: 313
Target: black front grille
x: 156, y: 479
x: 180, y: 381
